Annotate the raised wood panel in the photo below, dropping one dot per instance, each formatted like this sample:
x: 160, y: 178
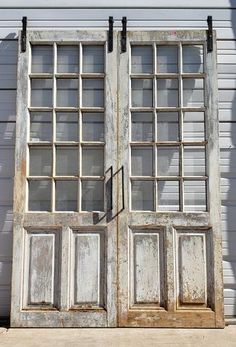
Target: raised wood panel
x: 192, y: 269
x: 88, y: 274
x: 41, y: 268
x: 147, y: 273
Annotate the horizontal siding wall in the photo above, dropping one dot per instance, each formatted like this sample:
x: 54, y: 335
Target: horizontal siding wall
x: 10, y: 23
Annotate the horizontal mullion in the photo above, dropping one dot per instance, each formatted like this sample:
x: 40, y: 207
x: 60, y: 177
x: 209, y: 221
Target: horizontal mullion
x: 92, y: 178
x: 39, y: 178
x: 67, y: 75
x: 40, y: 109
x: 168, y: 143
x: 66, y: 178
x: 193, y: 109
x: 167, y: 75
x: 92, y: 143
x: 142, y: 75
x: 193, y: 75
x: 168, y: 178
x: 92, y: 75
x: 40, y: 143
x: 142, y: 109
x: 66, y: 109
x: 92, y: 109
x: 41, y: 75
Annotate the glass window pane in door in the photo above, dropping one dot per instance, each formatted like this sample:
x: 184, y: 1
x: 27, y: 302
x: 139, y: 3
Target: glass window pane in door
x: 67, y: 59
x: 195, y: 196
x: 142, y: 195
x: 167, y: 59
x: 41, y: 92
x: 167, y: 93
x: 92, y: 161
x: 167, y: 161
x: 66, y: 195
x: 67, y: 159
x: 141, y: 161
x: 92, y: 196
x: 39, y: 195
x: 40, y: 126
x: 192, y: 58
x: 194, y: 126
x: 42, y: 59
x: 93, y: 126
x: 167, y: 126
x: 67, y: 93
x: 141, y: 59
x: 67, y: 126
x: 141, y: 90
x: 142, y: 126
x: 168, y: 195
x: 93, y: 59
x: 93, y: 92
x: 193, y: 92
x: 40, y: 161
x: 194, y: 160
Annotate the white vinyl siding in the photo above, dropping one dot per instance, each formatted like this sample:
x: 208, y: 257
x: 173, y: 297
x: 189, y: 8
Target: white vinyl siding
x: 224, y: 21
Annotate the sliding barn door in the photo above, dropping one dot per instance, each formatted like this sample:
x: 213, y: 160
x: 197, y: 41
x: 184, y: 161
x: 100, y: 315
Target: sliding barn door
x: 169, y: 242
x: 64, y: 257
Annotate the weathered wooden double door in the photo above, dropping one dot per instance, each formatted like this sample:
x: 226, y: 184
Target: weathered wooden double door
x: 116, y: 198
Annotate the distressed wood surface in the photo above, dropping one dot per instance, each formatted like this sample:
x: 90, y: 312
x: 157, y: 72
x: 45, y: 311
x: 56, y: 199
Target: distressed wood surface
x: 64, y: 275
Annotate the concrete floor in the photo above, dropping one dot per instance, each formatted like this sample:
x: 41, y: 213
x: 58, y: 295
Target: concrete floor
x: 118, y: 337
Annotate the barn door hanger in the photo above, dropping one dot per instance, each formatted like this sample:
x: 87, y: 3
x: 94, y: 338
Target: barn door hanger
x: 23, y: 34
x: 123, y: 34
x: 209, y: 35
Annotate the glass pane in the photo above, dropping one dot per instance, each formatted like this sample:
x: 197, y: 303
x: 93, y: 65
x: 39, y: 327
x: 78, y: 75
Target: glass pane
x: 141, y: 59
x: 141, y: 92
x: 167, y: 59
x: 40, y: 161
x: 66, y: 195
x: 142, y: 195
x: 195, y: 195
x: 167, y: 126
x: 193, y: 93
x: 93, y: 59
x: 67, y: 127
x: 194, y: 127
x: 142, y: 161
x: 67, y: 93
x: 142, y: 126
x: 40, y: 126
x: 92, y: 196
x: 42, y: 59
x: 39, y: 195
x: 67, y: 59
x: 167, y: 161
x: 67, y: 161
x: 41, y: 93
x: 192, y: 58
x: 93, y: 92
x: 92, y: 161
x: 93, y: 127
x: 168, y: 195
x: 194, y: 161
x: 167, y: 93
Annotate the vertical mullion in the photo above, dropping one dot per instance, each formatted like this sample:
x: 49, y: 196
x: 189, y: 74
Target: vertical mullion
x: 54, y: 126
x: 79, y: 207
x: 181, y: 150
x: 155, y: 125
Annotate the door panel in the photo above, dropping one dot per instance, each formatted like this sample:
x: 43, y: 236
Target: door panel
x: 65, y: 231
x: 170, y: 271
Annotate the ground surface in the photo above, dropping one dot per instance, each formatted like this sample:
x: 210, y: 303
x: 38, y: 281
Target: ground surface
x: 118, y: 337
